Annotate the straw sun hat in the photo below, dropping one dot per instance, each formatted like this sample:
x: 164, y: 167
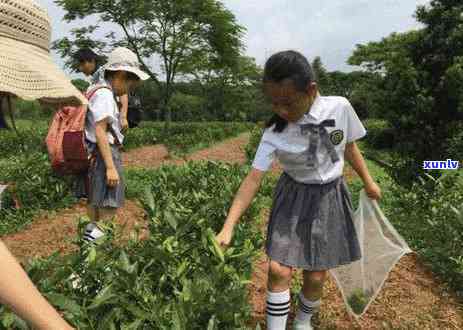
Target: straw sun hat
x: 26, y: 67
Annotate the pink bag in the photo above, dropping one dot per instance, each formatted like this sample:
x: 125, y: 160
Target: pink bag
x: 66, y: 139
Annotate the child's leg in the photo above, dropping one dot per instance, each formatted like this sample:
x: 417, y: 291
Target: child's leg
x: 278, y: 296
x: 313, y: 284
x: 92, y: 231
x: 93, y: 213
x: 309, y: 297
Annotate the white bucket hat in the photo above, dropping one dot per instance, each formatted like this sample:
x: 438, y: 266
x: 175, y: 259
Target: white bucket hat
x: 26, y: 67
x: 123, y: 59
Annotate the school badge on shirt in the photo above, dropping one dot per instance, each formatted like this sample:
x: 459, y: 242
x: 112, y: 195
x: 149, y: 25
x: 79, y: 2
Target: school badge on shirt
x: 336, y: 137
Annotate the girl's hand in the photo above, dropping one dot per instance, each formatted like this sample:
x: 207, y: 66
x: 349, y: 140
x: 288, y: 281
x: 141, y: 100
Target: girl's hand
x: 124, y: 124
x: 224, y: 237
x: 373, y: 191
x: 112, y: 177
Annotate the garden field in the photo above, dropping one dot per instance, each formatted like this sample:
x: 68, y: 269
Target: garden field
x: 213, y: 79
x: 160, y: 268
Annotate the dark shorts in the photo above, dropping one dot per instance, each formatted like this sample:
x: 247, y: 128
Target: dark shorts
x: 311, y: 226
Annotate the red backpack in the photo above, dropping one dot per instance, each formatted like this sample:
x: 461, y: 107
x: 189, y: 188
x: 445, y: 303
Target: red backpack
x: 66, y: 139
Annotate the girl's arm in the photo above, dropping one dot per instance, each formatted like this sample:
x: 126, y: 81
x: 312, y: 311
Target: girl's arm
x: 124, y: 110
x: 19, y: 293
x: 245, y: 195
x: 112, y: 177
x: 353, y: 155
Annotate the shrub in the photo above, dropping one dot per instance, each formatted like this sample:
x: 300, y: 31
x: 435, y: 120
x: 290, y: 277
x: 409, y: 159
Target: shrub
x: 178, y: 278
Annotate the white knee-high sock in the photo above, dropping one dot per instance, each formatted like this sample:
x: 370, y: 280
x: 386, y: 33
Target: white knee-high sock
x: 306, y: 309
x: 277, y: 311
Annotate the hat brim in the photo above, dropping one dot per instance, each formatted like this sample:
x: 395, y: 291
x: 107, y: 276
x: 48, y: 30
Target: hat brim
x: 139, y: 73
x: 29, y: 72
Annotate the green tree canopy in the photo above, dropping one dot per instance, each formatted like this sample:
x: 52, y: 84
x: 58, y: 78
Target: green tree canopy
x: 423, y: 84
x: 179, y: 32
x: 80, y: 84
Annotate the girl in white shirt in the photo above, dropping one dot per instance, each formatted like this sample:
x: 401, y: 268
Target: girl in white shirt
x: 103, y: 134
x: 310, y: 226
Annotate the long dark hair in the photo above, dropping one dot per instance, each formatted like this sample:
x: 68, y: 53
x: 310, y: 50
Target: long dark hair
x: 287, y: 65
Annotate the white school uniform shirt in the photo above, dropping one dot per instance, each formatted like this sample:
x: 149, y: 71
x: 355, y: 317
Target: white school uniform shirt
x: 291, y: 146
x: 103, y: 105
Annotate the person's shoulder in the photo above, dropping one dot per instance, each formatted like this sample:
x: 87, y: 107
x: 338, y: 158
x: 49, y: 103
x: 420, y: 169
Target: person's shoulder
x: 100, y: 92
x: 335, y: 100
x: 273, y: 137
x: 336, y: 103
x: 99, y: 97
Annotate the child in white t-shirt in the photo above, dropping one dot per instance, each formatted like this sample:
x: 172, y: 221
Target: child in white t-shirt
x: 103, y: 132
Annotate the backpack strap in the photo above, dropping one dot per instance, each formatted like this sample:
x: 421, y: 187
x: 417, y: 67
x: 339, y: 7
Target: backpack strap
x: 89, y: 95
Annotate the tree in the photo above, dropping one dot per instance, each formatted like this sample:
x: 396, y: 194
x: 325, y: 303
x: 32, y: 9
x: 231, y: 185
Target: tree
x: 230, y: 87
x: 180, y: 32
x: 321, y: 75
x: 80, y: 84
x: 186, y: 107
x: 366, y: 94
x: 360, y: 87
x: 423, y: 84
x: 227, y: 91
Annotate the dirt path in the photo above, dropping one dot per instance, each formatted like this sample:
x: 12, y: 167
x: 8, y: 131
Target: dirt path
x: 230, y: 150
x: 412, y: 297
x: 51, y: 233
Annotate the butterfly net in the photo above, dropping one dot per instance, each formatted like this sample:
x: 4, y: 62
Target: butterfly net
x: 381, y: 246
x: 2, y: 189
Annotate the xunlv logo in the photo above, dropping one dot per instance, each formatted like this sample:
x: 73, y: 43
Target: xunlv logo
x: 440, y: 165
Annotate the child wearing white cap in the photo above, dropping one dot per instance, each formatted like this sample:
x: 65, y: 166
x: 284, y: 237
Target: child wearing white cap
x: 90, y: 64
x: 104, y: 138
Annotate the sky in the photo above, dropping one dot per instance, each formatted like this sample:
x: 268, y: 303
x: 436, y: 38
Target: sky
x: 330, y: 29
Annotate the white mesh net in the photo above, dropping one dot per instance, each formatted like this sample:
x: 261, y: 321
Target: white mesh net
x: 381, y: 246
x: 2, y: 189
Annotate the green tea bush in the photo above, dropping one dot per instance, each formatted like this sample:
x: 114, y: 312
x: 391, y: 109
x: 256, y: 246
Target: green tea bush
x: 36, y: 188
x: 176, y: 279
x: 24, y: 161
x: 379, y: 134
x: 30, y: 140
x: 183, y: 137
x: 253, y: 144
x: 430, y: 217
x: 31, y: 110
x: 455, y: 144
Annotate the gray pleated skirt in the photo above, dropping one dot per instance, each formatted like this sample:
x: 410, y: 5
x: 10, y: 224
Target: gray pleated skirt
x: 311, y: 225
x: 100, y: 195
